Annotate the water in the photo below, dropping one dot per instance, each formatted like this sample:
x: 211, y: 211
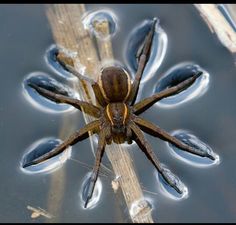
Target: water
x: 39, y: 148
x: 211, y: 118
x: 175, y: 75
x: 45, y: 81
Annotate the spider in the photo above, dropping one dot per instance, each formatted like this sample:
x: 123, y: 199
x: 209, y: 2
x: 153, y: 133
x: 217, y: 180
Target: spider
x: 117, y: 115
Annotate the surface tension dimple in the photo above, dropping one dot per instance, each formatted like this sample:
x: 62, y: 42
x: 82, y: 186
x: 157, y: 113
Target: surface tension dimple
x: 135, y: 44
x: 177, y: 74
x: 191, y: 140
x: 96, y: 193
x: 45, y: 81
x: 55, y: 65
x: 40, y: 148
x: 92, y: 21
x: 169, y: 191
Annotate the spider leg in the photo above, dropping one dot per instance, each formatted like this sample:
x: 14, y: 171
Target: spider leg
x: 143, y: 59
x: 162, y: 134
x: 151, y: 155
x: 95, y: 86
x: 73, y: 139
x: 100, y: 150
x: 148, y: 102
x: 58, y: 98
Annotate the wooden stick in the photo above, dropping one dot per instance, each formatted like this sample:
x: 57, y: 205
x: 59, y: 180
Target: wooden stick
x: 118, y: 154
x: 69, y: 33
x: 218, y: 24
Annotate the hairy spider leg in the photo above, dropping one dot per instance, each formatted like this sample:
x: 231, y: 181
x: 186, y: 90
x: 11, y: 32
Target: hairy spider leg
x: 151, y: 155
x: 154, y: 130
x: 149, y: 101
x: 73, y: 139
x: 142, y: 61
x: 98, y: 158
x: 58, y: 98
x: 96, y: 88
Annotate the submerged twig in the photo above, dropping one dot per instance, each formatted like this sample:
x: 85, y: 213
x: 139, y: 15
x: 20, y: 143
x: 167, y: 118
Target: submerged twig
x: 36, y: 212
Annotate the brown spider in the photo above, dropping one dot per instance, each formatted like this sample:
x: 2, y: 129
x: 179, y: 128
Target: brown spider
x: 117, y: 116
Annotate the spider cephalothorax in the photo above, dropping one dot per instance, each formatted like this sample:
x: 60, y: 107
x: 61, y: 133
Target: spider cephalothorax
x: 117, y: 115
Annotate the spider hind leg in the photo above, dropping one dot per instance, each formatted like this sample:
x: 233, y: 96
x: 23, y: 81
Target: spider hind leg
x: 93, y: 177
x: 142, y: 142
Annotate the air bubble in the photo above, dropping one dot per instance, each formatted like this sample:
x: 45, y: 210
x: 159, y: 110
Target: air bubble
x: 177, y: 74
x: 40, y: 148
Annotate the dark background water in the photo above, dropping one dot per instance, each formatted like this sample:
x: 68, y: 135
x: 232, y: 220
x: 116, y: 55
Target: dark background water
x: 25, y: 36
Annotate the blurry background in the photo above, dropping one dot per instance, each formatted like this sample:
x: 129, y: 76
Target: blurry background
x: 25, y: 36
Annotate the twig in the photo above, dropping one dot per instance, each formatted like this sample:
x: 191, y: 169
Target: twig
x: 119, y: 155
x: 36, y: 212
x: 69, y: 33
x: 218, y: 24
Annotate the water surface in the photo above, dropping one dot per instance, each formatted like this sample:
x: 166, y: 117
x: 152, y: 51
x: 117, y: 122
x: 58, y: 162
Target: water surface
x: 25, y: 38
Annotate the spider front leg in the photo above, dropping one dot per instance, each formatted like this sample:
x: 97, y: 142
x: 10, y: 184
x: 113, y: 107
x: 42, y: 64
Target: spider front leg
x: 58, y: 98
x: 142, y: 61
x: 149, y: 101
x: 157, y: 131
x: 73, y: 139
x: 151, y: 155
x: 95, y: 86
x: 104, y: 133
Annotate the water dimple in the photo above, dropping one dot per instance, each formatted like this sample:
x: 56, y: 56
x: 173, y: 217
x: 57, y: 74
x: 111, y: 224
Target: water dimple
x: 134, y: 46
x: 169, y: 191
x: 177, y: 74
x: 45, y: 81
x: 55, y: 65
x: 192, y: 140
x: 94, y: 21
x: 40, y: 148
x: 140, y: 207
x: 96, y: 192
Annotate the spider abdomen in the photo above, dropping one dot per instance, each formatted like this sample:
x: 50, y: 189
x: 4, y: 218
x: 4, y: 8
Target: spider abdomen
x: 115, y: 84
